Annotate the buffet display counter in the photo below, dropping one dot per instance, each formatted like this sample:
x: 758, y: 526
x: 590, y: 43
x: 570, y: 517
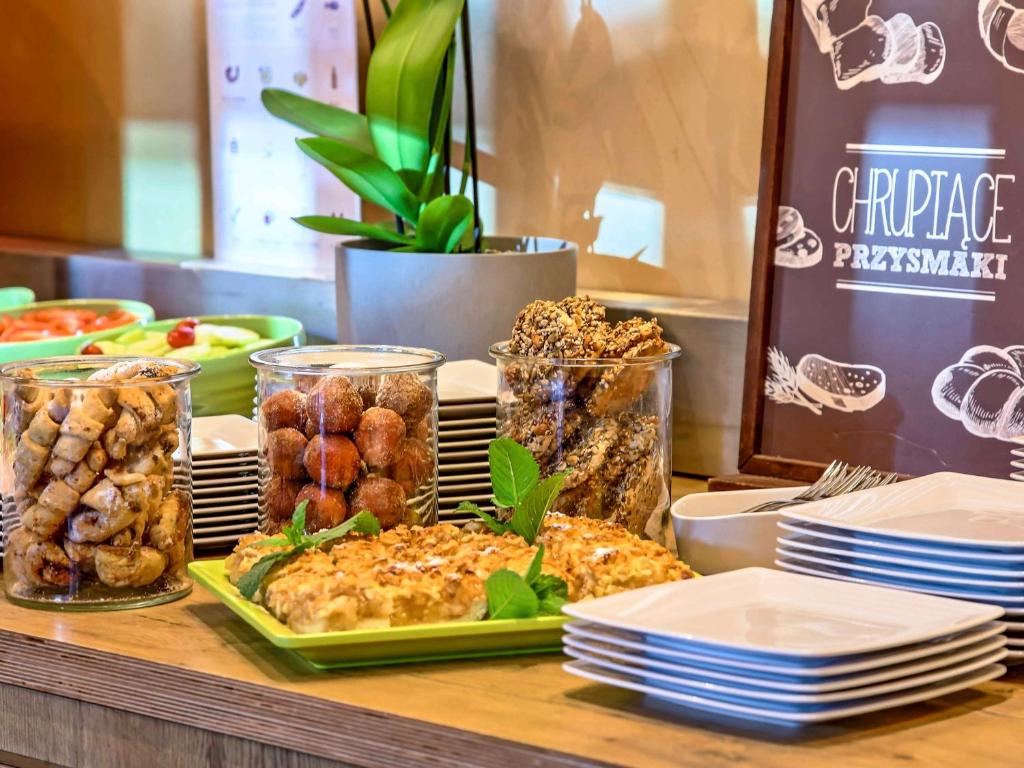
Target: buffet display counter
x: 188, y: 684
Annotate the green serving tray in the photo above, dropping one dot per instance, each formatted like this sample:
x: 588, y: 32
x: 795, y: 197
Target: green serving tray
x: 69, y: 345
x: 395, y: 645
x: 228, y: 384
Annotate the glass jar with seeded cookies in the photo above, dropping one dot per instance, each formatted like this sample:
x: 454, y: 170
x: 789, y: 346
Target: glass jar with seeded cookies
x: 347, y: 428
x: 593, y: 400
x: 96, y: 481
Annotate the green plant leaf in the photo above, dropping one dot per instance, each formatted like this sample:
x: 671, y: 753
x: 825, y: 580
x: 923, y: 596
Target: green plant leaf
x: 336, y: 225
x: 433, y: 182
x: 362, y: 522
x: 533, y: 571
x: 495, y: 525
x: 509, y: 596
x: 552, y: 593
x: 316, y: 117
x: 529, y: 513
x: 402, y: 79
x: 514, y: 471
x: 249, y: 584
x: 550, y: 605
x: 367, y: 176
x: 442, y: 223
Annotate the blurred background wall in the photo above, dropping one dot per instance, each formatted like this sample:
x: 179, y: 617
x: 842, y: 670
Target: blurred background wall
x: 629, y: 126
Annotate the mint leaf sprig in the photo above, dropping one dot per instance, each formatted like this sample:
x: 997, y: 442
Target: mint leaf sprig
x: 515, y: 479
x: 511, y: 596
x: 294, y: 534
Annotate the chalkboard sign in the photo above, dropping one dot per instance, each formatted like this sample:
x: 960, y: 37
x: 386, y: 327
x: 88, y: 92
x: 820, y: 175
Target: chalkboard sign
x: 887, y: 310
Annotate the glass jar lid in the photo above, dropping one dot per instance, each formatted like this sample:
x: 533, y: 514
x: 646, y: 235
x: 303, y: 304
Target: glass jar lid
x: 354, y: 358
x: 75, y: 371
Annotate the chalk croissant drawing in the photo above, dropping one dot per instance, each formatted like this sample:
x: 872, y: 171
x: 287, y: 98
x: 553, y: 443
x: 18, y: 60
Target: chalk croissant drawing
x: 795, y: 246
x: 984, y: 391
x: 865, y: 47
x: 818, y: 382
x: 1001, y: 24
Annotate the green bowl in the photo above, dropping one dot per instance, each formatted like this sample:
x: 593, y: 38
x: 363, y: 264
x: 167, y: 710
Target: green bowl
x: 70, y: 345
x: 16, y: 297
x: 228, y: 384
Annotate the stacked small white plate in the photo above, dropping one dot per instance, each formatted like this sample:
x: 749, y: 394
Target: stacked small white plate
x: 780, y: 647
x: 224, y: 479
x: 946, y: 534
x: 467, y: 402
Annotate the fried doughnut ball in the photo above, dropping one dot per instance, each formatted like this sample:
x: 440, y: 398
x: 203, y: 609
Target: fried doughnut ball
x: 285, y: 449
x: 380, y: 433
x: 412, y: 466
x: 326, y: 507
x: 406, y: 395
x: 382, y: 497
x: 286, y: 408
x: 332, y: 460
x: 333, y: 406
x: 279, y: 497
x: 367, y: 390
x: 422, y: 429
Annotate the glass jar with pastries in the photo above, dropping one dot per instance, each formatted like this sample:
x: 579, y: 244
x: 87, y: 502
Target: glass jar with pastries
x: 593, y: 400
x: 347, y: 428
x: 96, y: 481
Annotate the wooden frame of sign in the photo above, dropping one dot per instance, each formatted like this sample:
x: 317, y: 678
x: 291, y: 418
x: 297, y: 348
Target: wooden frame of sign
x: 905, y: 302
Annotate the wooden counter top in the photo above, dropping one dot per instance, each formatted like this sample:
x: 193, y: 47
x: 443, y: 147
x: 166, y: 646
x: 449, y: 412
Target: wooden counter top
x: 124, y: 688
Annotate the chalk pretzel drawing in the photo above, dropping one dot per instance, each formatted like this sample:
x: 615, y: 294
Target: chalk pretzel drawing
x: 818, y: 382
x: 864, y: 47
x: 984, y: 391
x: 1001, y: 24
x: 795, y: 246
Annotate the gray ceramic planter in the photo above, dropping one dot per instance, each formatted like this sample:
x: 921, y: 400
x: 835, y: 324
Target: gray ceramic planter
x: 456, y: 303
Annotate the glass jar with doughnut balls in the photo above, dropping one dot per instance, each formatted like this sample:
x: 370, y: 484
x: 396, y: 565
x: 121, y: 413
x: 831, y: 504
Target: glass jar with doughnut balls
x: 96, y: 481
x: 347, y: 428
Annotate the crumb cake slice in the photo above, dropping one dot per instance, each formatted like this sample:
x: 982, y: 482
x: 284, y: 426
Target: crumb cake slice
x: 414, y: 575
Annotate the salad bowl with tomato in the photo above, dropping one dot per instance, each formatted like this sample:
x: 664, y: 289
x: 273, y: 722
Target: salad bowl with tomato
x: 221, y: 344
x: 54, y: 328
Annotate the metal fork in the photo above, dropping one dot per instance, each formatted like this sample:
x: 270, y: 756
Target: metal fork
x: 837, y: 479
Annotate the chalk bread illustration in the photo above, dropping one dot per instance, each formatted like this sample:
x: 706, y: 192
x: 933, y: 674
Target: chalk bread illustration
x: 795, y: 246
x: 985, y: 392
x: 1001, y: 25
x: 865, y: 47
x: 817, y: 381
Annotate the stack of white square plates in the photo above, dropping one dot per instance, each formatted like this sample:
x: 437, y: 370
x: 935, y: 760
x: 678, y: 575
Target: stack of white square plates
x: 946, y: 534
x: 780, y: 647
x: 1018, y: 462
x: 224, y: 479
x: 467, y: 393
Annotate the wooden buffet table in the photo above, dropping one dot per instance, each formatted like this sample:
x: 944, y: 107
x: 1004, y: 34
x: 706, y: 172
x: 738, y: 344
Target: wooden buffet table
x: 188, y: 684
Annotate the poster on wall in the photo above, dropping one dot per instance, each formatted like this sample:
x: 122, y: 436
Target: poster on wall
x: 260, y: 178
x: 887, y: 312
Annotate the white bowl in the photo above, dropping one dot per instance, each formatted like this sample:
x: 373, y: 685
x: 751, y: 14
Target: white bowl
x: 712, y: 537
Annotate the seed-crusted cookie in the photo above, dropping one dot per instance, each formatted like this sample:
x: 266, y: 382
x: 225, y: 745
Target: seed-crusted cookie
x: 588, y: 455
x: 637, y: 494
x: 543, y: 329
x: 542, y: 431
x: 589, y: 317
x: 624, y: 383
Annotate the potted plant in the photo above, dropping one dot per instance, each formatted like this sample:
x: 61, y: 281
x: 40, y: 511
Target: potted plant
x: 429, y: 277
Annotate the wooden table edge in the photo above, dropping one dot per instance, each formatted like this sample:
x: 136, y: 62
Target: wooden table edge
x: 263, y: 714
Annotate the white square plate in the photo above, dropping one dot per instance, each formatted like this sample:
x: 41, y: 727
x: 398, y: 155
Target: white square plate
x: 950, y: 579
x: 818, y: 714
x: 466, y: 380
x: 232, y: 471
x: 805, y: 670
x: 948, y: 553
x: 786, y: 683
x: 227, y: 462
x: 761, y: 611
x: 944, y: 508
x: 215, y: 436
x: 755, y: 694
x: 1009, y: 605
x: 865, y: 554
